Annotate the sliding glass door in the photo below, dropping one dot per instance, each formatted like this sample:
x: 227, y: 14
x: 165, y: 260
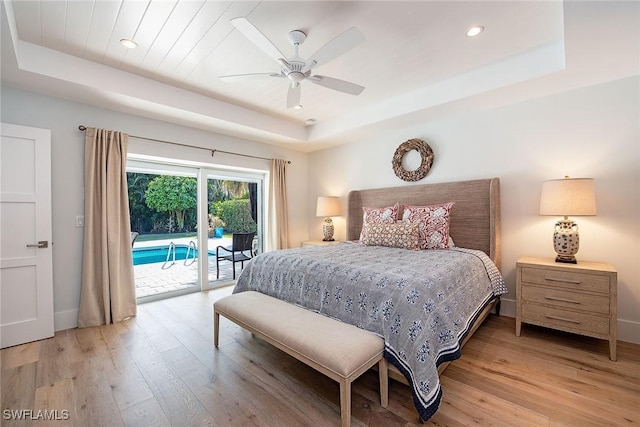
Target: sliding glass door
x: 183, y: 216
x: 234, y: 208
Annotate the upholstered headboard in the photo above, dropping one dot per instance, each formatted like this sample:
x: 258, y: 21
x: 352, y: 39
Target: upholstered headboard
x: 475, y: 217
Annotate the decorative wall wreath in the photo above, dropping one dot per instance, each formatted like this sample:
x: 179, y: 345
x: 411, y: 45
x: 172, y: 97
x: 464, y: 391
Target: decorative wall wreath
x: 426, y: 153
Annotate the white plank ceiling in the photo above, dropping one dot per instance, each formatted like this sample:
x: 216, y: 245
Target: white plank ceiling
x: 416, y: 56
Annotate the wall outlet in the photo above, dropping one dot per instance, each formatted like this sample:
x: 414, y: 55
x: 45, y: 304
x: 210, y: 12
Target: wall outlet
x: 79, y: 220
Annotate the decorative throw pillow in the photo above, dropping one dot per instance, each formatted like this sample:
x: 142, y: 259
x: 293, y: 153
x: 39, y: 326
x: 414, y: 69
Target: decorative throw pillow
x: 387, y: 215
x: 433, y: 224
x: 403, y: 235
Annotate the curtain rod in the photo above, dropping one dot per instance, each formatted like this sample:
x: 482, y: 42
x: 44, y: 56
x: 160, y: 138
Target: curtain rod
x: 213, y: 151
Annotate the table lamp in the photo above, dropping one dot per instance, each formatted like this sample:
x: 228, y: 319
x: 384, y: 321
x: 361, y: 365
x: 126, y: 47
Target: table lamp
x: 328, y: 207
x: 564, y: 197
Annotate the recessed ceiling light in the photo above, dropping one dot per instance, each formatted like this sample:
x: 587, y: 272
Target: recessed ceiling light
x: 310, y: 122
x: 475, y: 30
x: 128, y: 43
x: 298, y: 107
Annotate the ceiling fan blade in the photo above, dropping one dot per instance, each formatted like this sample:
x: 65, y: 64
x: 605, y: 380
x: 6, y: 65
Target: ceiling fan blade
x: 293, y: 95
x: 285, y: 64
x: 256, y: 37
x: 253, y: 76
x: 334, y: 48
x: 337, y: 84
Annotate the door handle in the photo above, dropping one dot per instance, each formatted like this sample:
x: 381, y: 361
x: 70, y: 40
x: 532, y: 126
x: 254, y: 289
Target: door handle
x: 40, y: 244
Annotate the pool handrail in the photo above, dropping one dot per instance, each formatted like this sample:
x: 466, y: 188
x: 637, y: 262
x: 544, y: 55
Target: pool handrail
x: 186, y: 257
x: 170, y: 250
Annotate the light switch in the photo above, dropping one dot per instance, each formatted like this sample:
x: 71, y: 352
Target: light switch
x: 79, y: 220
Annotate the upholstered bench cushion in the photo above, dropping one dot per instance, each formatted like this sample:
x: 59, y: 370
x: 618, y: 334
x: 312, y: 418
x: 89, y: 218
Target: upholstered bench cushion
x: 336, y: 346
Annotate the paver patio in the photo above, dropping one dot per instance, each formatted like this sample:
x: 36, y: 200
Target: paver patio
x: 158, y: 278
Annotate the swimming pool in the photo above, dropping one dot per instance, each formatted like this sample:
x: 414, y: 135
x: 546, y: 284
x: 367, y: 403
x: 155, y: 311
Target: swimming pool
x: 153, y: 254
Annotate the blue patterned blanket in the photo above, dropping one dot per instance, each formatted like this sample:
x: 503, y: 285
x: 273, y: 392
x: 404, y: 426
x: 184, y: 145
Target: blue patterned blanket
x: 422, y: 303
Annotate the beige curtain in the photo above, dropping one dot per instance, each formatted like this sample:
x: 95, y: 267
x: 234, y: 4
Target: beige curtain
x: 278, y: 230
x: 108, y: 286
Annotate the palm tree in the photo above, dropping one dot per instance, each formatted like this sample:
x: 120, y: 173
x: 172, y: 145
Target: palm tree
x: 220, y: 190
x: 235, y: 189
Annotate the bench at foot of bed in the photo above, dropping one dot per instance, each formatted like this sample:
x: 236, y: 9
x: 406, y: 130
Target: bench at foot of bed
x: 341, y: 351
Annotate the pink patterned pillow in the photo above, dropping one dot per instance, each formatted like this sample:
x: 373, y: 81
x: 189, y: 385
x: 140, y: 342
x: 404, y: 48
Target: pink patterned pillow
x: 387, y: 215
x: 433, y: 224
x: 402, y: 235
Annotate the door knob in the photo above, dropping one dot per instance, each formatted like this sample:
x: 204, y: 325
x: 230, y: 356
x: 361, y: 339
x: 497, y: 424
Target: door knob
x: 40, y: 244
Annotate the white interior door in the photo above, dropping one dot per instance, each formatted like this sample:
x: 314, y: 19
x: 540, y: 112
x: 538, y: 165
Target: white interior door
x: 26, y: 279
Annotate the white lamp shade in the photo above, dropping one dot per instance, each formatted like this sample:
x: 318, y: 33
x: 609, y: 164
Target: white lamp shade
x: 328, y: 206
x: 568, y: 197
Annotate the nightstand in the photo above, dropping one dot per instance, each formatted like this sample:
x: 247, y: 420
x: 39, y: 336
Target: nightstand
x: 578, y: 298
x: 309, y: 243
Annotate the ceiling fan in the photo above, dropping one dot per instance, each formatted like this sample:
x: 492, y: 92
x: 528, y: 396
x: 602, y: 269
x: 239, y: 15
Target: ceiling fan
x: 295, y: 68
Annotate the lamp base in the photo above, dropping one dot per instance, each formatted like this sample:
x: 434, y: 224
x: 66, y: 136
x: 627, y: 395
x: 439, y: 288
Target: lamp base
x: 327, y: 230
x: 566, y: 259
x: 566, y: 241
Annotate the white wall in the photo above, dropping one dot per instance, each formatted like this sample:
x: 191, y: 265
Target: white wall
x: 67, y: 151
x: 592, y: 132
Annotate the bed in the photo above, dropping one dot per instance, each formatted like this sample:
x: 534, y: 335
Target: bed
x: 424, y: 303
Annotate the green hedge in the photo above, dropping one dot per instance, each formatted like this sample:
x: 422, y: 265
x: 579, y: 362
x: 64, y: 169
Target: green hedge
x: 236, y: 214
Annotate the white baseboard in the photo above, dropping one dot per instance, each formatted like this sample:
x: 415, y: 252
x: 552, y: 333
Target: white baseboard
x: 628, y: 330
x: 507, y: 307
x: 65, y: 320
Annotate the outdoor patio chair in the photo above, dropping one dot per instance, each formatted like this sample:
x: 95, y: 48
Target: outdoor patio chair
x: 241, y: 250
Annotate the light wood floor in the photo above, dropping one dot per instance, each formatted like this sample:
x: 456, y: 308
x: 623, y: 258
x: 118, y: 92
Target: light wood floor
x: 161, y: 369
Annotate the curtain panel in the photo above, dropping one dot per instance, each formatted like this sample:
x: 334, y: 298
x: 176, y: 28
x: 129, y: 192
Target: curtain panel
x: 278, y: 230
x: 108, y: 284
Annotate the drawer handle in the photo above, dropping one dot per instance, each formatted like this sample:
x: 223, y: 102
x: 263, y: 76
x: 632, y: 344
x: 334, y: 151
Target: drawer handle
x: 577, y: 322
x: 572, y: 301
x: 555, y: 279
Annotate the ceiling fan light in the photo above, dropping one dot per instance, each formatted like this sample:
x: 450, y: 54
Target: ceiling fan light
x: 296, y: 76
x: 128, y: 43
x: 475, y: 31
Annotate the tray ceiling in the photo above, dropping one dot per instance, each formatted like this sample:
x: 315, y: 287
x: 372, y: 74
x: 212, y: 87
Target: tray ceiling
x: 415, y: 59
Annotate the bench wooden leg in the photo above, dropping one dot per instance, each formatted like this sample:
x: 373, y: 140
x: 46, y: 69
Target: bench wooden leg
x: 345, y: 402
x: 216, y: 327
x: 383, y: 371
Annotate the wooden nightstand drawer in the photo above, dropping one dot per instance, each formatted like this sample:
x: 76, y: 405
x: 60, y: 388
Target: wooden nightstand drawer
x: 566, y: 299
x: 566, y: 279
x: 579, y: 298
x: 566, y: 320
